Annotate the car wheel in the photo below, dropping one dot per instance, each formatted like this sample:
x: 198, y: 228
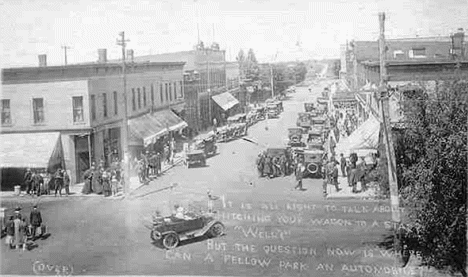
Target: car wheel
x: 171, y: 240
x: 155, y: 235
x: 216, y: 230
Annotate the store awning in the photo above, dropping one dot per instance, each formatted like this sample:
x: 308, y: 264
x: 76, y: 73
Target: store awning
x: 225, y: 100
x: 33, y: 150
x: 364, y: 138
x: 151, y: 126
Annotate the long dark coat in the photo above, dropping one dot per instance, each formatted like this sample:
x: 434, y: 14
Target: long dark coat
x: 88, y: 176
x: 97, y: 182
x: 35, y: 218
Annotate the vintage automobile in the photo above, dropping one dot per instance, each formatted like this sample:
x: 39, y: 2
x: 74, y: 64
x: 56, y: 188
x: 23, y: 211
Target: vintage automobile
x: 272, y: 111
x: 315, y: 135
x: 319, y: 120
x: 207, y: 143
x: 309, y: 107
x: 313, y: 162
x: 171, y: 230
x: 304, y: 120
x: 295, y: 134
x: 238, y: 118
x: 232, y: 131
x: 196, y: 157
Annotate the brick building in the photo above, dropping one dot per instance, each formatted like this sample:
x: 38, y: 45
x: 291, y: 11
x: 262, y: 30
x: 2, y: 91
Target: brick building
x: 206, y: 74
x: 84, y: 104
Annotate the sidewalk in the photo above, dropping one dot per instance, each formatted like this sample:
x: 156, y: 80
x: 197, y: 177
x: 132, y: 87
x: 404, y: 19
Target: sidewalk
x: 346, y: 191
x: 75, y: 190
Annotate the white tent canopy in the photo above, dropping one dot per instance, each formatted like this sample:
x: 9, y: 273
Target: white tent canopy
x: 363, y: 140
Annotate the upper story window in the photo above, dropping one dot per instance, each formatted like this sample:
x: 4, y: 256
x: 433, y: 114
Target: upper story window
x: 38, y: 110
x: 139, y: 98
x: 144, y: 96
x: 418, y: 53
x: 398, y: 54
x: 78, y: 115
x: 6, y: 112
x: 170, y: 92
x: 93, y: 107
x: 133, y: 99
x: 104, y: 104
x: 181, y: 89
x: 152, y: 95
x: 167, y: 91
x: 161, y: 93
x: 116, y: 106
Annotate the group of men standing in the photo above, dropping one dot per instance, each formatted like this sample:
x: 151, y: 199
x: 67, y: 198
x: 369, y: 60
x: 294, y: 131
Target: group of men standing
x: 39, y: 184
x: 101, y: 180
x: 150, y: 164
x: 274, y: 166
x: 18, y: 230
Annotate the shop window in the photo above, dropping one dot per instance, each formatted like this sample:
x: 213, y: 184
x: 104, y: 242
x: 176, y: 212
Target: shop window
x: 93, y: 107
x: 6, y: 112
x: 78, y: 109
x: 418, y: 53
x: 144, y: 96
x: 116, y: 109
x: 139, y: 98
x: 181, y: 89
x: 104, y: 104
x: 38, y: 110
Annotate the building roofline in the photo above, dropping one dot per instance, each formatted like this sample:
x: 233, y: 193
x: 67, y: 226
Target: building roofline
x: 89, y: 65
x: 417, y: 62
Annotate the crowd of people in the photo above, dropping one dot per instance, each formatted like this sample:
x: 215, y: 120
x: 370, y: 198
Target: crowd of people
x: 39, y: 183
x: 20, y: 233
x: 275, y: 166
x: 101, y: 180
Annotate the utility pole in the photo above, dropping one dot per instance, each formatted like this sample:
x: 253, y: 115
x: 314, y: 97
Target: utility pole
x: 124, y: 138
x: 388, y: 140
x: 64, y: 47
x: 272, y: 84
x: 209, y: 87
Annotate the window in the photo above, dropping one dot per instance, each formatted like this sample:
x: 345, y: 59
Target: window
x: 152, y: 95
x: 78, y: 109
x: 38, y: 109
x: 104, y: 104
x: 398, y: 54
x: 6, y: 114
x: 93, y: 107
x: 418, y: 53
x: 133, y: 99
x: 175, y: 90
x: 170, y: 92
x: 144, y: 96
x: 167, y: 96
x: 181, y: 90
x: 161, y: 93
x: 139, y: 98
x: 116, y: 108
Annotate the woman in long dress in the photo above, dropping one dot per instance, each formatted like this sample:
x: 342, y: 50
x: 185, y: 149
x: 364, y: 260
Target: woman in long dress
x: 106, y: 183
x: 97, y: 182
x: 88, y: 176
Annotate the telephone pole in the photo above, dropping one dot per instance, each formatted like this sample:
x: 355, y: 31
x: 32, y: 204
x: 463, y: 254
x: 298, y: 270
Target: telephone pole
x: 388, y: 140
x: 124, y: 138
x: 64, y: 47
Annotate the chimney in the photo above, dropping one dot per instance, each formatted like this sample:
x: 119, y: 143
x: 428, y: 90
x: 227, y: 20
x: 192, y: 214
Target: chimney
x: 102, y: 55
x: 43, y: 60
x: 130, y: 55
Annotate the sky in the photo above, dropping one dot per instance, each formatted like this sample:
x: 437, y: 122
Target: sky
x: 271, y: 28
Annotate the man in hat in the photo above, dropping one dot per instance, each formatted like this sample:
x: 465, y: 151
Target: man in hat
x: 10, y: 232
x: 300, y: 168
x: 35, y: 219
x: 27, y: 180
x: 58, y: 181
x: 343, y: 165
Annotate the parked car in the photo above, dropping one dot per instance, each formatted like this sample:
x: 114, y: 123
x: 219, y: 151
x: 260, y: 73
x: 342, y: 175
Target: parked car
x: 172, y: 230
x: 313, y: 162
x: 207, y: 144
x: 196, y: 157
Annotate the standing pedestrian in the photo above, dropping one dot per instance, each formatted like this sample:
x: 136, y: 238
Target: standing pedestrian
x: 283, y: 165
x: 158, y: 163
x: 106, y: 183
x: 325, y: 177
x: 27, y: 180
x: 18, y: 239
x: 97, y: 181
x: 334, y: 175
x: 35, y: 218
x: 300, y: 168
x: 58, y: 181
x: 114, y: 183
x: 343, y: 165
x: 10, y: 232
x: 66, y: 182
x: 88, y: 177
x: 267, y: 169
x: 38, y: 182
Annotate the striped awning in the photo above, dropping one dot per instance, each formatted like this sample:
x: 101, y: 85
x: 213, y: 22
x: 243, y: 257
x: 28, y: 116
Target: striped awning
x: 151, y: 126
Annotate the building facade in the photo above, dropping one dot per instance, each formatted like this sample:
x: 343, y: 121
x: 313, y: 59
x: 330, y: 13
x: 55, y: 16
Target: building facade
x: 85, y: 104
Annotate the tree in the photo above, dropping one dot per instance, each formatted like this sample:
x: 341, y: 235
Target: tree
x: 252, y: 70
x: 241, y: 60
x: 432, y: 165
